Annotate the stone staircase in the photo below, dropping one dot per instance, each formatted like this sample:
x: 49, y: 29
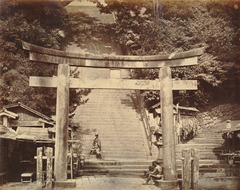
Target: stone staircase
x: 209, y: 142
x: 111, y: 113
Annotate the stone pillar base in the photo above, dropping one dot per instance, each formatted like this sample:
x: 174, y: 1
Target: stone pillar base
x: 168, y: 185
x: 70, y: 183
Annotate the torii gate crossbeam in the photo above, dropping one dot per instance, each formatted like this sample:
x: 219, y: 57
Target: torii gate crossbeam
x: 63, y: 82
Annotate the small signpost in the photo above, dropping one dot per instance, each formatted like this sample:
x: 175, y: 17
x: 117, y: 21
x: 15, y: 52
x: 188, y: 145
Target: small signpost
x: 39, y: 168
x: 63, y: 82
x: 49, y: 154
x: 190, y: 169
x: 40, y: 173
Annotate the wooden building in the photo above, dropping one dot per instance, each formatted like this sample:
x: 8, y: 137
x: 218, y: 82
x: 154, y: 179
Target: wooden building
x: 22, y: 130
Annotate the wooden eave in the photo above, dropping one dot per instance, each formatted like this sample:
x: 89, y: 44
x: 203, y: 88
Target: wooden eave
x: 29, y: 109
x: 45, y: 121
x: 7, y: 113
x: 179, y: 107
x: 7, y: 133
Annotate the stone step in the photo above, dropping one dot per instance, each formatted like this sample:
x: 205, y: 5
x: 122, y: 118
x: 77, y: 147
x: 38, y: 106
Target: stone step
x: 209, y: 136
x: 112, y: 131
x: 137, y: 154
x: 197, y: 146
x: 109, y: 117
x: 206, y: 142
x: 116, y: 140
x: 203, y: 150
x: 204, y: 155
x: 106, y: 133
x: 123, y: 155
x: 111, y: 93
x: 112, y: 122
x: 144, y: 162
x: 91, y: 107
x: 206, y: 162
x: 111, y: 127
x: 116, y: 151
x: 118, y: 162
x: 110, y: 141
x: 119, y: 154
x: 114, y: 172
x: 138, y: 148
x: 207, y: 139
x: 103, y: 125
x: 120, y: 136
x: 200, y: 148
x: 119, y: 148
x: 107, y: 109
x: 141, y: 171
x: 137, y: 167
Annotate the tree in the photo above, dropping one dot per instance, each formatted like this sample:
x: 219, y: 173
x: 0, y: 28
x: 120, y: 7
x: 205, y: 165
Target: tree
x: 41, y: 23
x: 180, y: 26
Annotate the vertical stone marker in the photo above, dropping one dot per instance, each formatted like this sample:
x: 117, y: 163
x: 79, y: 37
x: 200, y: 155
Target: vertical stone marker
x: 186, y: 184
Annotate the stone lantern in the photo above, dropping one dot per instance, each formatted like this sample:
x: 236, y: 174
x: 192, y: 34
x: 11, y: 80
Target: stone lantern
x: 158, y: 143
x: 228, y: 124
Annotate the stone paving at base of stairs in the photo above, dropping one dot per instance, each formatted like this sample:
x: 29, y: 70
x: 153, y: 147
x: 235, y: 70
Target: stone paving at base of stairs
x: 103, y: 182
x: 93, y: 183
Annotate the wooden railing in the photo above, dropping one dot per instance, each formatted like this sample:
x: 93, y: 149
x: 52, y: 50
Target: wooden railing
x: 145, y: 121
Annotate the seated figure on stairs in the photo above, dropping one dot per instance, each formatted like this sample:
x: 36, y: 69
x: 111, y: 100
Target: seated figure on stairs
x: 96, y: 147
x: 156, y: 173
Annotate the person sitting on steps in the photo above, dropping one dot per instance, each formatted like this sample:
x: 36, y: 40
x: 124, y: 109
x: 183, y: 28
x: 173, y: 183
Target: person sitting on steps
x: 96, y: 147
x: 156, y: 173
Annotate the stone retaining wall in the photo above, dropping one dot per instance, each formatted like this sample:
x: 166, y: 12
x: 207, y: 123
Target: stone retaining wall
x: 219, y: 114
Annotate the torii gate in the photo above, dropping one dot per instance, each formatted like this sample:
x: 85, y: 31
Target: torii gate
x: 63, y: 82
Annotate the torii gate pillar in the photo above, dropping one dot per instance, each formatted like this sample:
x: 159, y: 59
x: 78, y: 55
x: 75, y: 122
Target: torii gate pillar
x: 62, y: 110
x: 169, y: 158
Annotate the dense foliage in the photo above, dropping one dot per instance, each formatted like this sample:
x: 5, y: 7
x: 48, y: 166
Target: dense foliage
x: 156, y: 27
x: 41, y: 23
x: 142, y: 27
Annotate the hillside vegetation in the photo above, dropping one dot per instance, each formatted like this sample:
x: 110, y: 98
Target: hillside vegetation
x: 142, y: 28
